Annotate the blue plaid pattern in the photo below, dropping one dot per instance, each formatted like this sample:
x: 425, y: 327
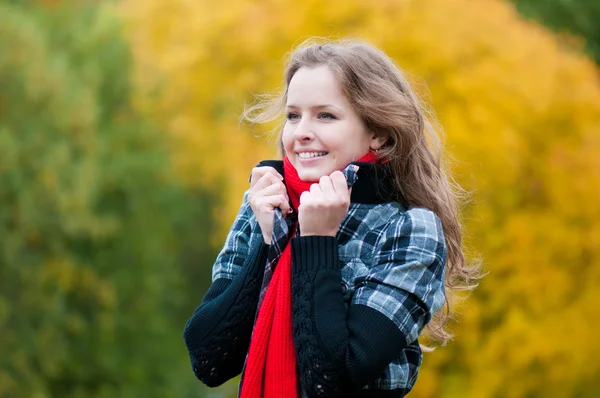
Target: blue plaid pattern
x: 391, y: 257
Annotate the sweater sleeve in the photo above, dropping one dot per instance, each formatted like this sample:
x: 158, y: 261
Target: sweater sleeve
x: 217, y: 335
x: 341, y: 349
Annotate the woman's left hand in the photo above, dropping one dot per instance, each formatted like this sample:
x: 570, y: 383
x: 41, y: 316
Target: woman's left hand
x: 324, y: 207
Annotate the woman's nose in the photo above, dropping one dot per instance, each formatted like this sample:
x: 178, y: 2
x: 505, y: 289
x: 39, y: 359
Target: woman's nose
x: 304, y: 131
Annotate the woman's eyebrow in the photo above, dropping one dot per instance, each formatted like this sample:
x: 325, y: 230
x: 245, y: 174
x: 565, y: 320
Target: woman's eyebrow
x: 292, y: 106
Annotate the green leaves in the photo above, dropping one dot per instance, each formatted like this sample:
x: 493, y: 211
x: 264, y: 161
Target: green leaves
x: 573, y: 17
x: 105, y: 243
x: 93, y: 295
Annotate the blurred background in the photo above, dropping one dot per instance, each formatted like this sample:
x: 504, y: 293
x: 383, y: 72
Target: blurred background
x: 123, y: 162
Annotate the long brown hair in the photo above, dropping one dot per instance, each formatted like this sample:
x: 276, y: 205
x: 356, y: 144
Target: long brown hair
x: 384, y: 99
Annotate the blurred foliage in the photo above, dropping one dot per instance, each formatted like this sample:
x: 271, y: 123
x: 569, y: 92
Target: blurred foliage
x: 100, y: 240
x: 579, y: 17
x: 522, y: 117
x: 105, y: 245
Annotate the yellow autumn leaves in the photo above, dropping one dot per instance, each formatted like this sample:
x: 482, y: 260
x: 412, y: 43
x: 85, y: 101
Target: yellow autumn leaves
x: 521, y: 111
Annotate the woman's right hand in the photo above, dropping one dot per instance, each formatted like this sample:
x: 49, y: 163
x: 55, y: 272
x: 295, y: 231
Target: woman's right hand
x: 267, y: 191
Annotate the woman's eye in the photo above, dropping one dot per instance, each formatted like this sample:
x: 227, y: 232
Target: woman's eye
x: 326, y: 115
x: 292, y: 116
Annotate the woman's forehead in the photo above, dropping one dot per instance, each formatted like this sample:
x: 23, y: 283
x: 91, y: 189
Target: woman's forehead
x: 315, y: 87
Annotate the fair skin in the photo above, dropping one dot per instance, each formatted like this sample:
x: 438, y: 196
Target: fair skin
x: 322, y: 135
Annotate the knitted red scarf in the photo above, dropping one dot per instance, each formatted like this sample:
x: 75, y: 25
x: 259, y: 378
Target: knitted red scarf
x: 270, y: 370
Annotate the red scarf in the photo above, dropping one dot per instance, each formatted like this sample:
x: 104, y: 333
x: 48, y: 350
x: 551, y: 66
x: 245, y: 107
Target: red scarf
x: 270, y: 370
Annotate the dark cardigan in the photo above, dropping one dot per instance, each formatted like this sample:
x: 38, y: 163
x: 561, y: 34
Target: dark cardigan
x: 340, y: 348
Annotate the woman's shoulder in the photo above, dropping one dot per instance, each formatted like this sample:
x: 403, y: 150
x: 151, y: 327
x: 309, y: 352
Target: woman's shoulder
x: 244, y: 224
x: 396, y: 219
x: 394, y: 211
x: 418, y: 221
x: 422, y: 216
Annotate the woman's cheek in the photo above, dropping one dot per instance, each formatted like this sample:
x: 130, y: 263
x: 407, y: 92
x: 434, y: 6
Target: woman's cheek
x: 287, y: 141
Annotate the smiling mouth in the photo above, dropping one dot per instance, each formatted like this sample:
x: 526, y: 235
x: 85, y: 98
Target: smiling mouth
x: 310, y: 155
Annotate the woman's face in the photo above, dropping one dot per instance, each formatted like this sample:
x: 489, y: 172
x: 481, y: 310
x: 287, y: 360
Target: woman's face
x: 323, y: 133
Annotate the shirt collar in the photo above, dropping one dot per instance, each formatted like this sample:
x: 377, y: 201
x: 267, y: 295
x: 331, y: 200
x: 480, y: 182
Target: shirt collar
x: 374, y: 184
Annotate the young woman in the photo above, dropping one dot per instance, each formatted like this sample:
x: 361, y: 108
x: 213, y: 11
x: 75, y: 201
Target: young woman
x: 341, y: 253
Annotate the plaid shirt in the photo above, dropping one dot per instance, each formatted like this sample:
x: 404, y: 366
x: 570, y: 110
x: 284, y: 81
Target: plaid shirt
x: 391, y: 255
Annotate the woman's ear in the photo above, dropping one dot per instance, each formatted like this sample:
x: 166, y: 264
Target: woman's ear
x: 377, y: 141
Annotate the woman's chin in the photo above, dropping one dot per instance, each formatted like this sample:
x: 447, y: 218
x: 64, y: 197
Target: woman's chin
x: 311, y: 174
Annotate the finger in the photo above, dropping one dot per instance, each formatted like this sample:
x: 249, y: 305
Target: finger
x: 340, y: 185
x: 258, y: 172
x: 276, y: 188
x: 265, y: 180
x: 278, y: 201
x: 326, y: 186
x: 273, y: 189
x: 316, y: 192
x: 338, y: 180
x: 267, y: 169
x: 274, y: 201
x: 285, y: 207
x: 304, y: 198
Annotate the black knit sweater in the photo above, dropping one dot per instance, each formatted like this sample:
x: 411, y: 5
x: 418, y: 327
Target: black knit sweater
x: 339, y: 348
